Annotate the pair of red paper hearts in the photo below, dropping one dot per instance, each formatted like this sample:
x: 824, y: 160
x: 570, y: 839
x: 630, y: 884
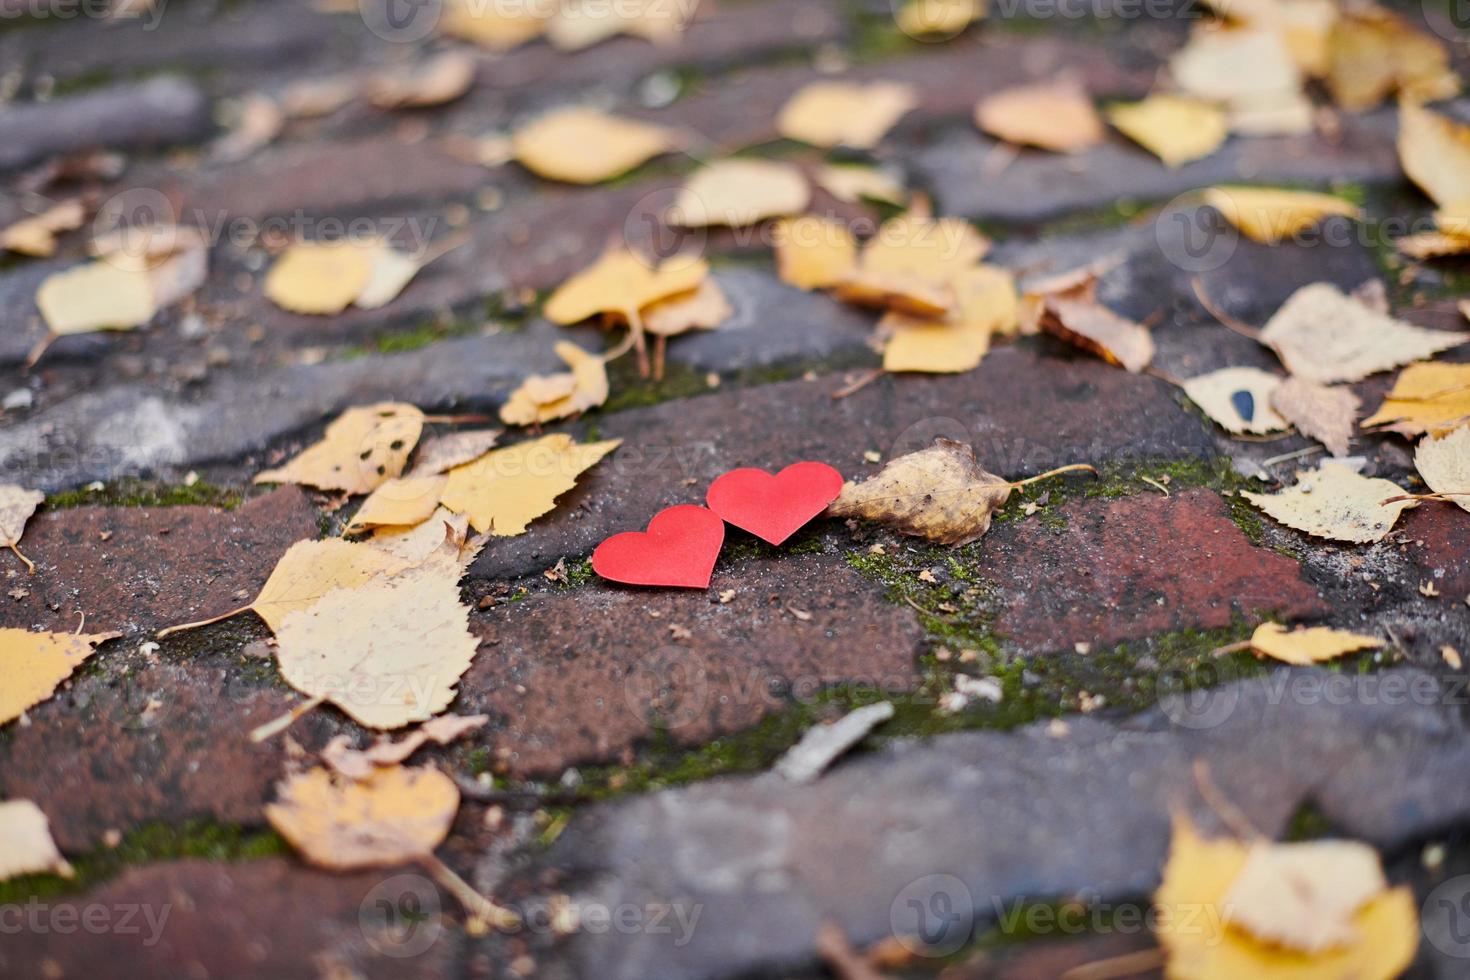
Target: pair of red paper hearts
x: 682, y: 542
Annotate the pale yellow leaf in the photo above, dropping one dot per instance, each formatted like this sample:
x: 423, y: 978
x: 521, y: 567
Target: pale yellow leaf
x: 544, y: 398
x: 1194, y: 907
x: 1434, y: 151
x: 1054, y: 116
x: 853, y: 182
x: 1304, y: 896
x: 702, y: 308
x: 94, y: 296
x: 389, y: 651
x: 1322, y: 334
x: 1327, y: 414
x: 393, y: 816
x: 309, y: 570
x: 389, y: 272
x: 400, y: 502
x: 941, y: 493
x: 938, y: 18
x: 1238, y: 398
x: 1270, y: 215
x: 851, y: 114
x: 1444, y: 463
x: 26, y: 846
x: 360, y: 763
x: 445, y: 452
x: 1335, y: 503
x: 918, y: 245
x: 1425, y: 398
x: 1174, y: 128
x: 813, y: 252
x: 36, y: 235
x: 581, y: 145
x: 1371, y: 53
x: 17, y: 504
x: 415, y: 544
x: 319, y: 277
x: 1230, y: 64
x: 985, y: 296
x: 932, y: 346
x: 897, y: 291
x: 737, y: 192
x: 495, y: 27
x: 362, y: 448
x: 622, y: 282
x: 1433, y: 245
x: 1314, y: 645
x: 503, y: 491
x: 440, y: 79
x: 33, y: 664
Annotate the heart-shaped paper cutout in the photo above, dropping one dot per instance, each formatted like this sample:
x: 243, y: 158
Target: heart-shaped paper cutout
x: 679, y: 548
x: 774, y: 507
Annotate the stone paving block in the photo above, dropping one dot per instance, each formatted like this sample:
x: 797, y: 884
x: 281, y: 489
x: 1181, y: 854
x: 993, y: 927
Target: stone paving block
x: 138, y: 569
x: 586, y: 675
x: 245, y: 921
x: 976, y: 817
x: 1023, y: 414
x: 1136, y: 567
x: 1443, y: 560
x: 151, y: 114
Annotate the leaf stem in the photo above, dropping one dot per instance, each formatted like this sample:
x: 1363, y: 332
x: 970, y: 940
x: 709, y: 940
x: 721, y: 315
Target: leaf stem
x: 1226, y: 320
x: 1073, y: 468
x: 275, y: 727
x: 171, y: 630
x: 478, y: 906
x: 30, y: 565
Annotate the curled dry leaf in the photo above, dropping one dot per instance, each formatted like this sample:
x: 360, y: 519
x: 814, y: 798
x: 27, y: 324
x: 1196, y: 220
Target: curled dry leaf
x: 1429, y: 397
x: 941, y: 493
x: 739, y: 192
x: 813, y: 252
x: 1238, y: 398
x: 1054, y: 116
x: 506, y: 489
x: 36, y: 235
x: 1324, y: 335
x: 1435, y: 153
x: 393, y: 816
x: 1171, y: 127
x: 702, y: 308
x: 360, y: 763
x: 1327, y: 414
x: 445, y: 452
x: 1372, y: 53
x: 400, y: 502
x: 388, y: 651
x: 1444, y: 463
x: 1097, y: 329
x: 33, y: 664
x: 414, y: 545
x: 1270, y: 215
x: 441, y: 79
x: 1304, y: 647
x: 1216, y: 894
x: 1335, y: 503
x: 895, y: 291
x: 17, y: 504
x: 622, y: 283
x: 363, y: 448
x: 831, y: 114
x: 26, y: 846
x: 546, y: 397
x: 986, y: 305
x: 581, y: 145
x: 853, y: 182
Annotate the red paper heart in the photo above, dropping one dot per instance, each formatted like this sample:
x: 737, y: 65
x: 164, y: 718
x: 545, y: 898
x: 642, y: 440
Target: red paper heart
x: 773, y: 507
x: 679, y: 548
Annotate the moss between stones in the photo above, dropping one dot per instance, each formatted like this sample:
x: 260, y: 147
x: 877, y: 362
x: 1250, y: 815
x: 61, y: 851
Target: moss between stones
x: 148, y: 843
x: 130, y: 492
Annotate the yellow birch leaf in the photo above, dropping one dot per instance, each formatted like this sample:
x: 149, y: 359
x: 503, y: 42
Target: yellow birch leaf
x: 1054, y: 116
x: 319, y: 277
x: 1434, y: 151
x: 26, y: 846
x: 702, y: 308
x: 932, y: 346
x: 622, y: 283
x: 1171, y: 127
x: 17, y: 504
x: 1327, y: 414
x: 95, y: 296
x: 1097, y: 329
x: 853, y: 182
x: 1322, y: 334
x: 400, y: 502
x: 941, y: 493
x: 494, y: 27
x: 1425, y: 398
x: 1201, y: 943
x: 440, y: 79
x: 1314, y: 645
x: 1444, y: 463
x: 544, y: 398
x: 33, y: 664
x: 1335, y: 503
x: 362, y: 448
x: 918, y: 245
x: 360, y: 763
x: 813, y: 252
x: 36, y: 235
x: 1226, y: 65
x: 1238, y: 398
x: 388, y: 651
x: 1269, y: 215
x: 739, y: 192
x: 1432, y: 245
x: 505, y: 490
x: 581, y: 145
x: 389, y: 272
x: 1303, y: 896
x: 985, y: 295
x: 394, y: 815
x: 1371, y: 53
x: 896, y: 291
x: 442, y: 453
x: 938, y: 18
x: 831, y: 114
x: 415, y: 544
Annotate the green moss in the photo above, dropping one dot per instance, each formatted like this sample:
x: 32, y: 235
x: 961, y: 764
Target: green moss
x: 631, y: 391
x: 147, y: 493
x: 147, y: 844
x: 579, y: 573
x: 1308, y: 823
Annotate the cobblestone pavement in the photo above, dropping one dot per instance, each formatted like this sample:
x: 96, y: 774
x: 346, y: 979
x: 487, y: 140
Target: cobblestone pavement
x: 630, y: 732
